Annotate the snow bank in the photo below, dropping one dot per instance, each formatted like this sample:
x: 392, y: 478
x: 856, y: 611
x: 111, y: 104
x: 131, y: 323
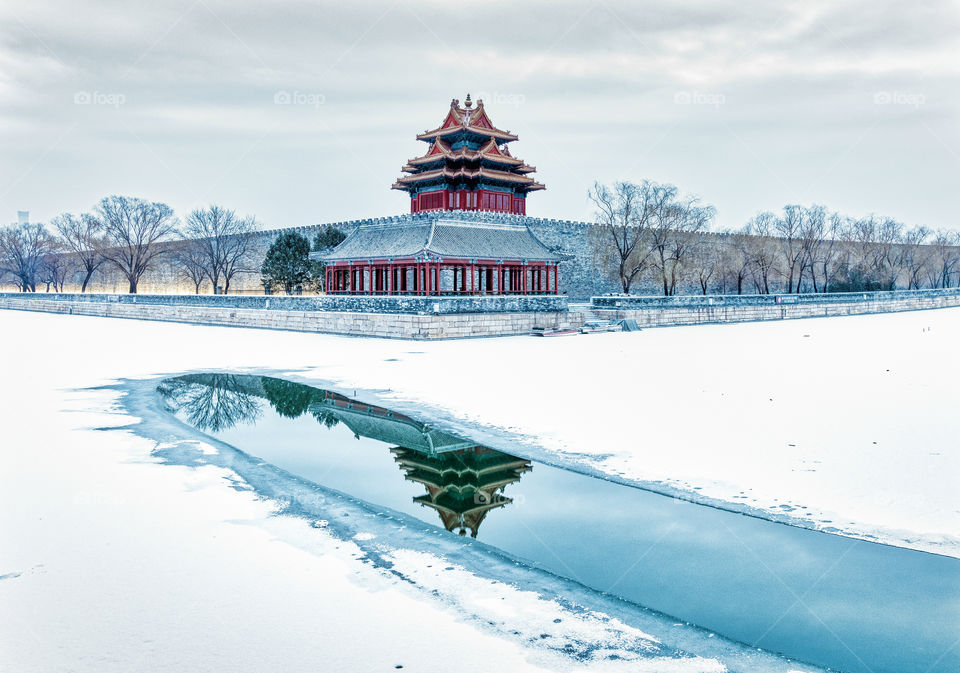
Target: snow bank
x: 111, y: 562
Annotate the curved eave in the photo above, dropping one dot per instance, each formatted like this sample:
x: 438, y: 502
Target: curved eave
x: 458, y: 162
x: 467, y: 155
x: 476, y: 130
x: 467, y: 174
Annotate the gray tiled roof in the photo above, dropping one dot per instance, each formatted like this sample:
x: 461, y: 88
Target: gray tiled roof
x: 403, y: 432
x: 446, y: 235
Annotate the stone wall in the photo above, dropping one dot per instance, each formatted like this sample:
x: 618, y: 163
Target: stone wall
x: 211, y: 310
x: 581, y: 276
x: 694, y: 310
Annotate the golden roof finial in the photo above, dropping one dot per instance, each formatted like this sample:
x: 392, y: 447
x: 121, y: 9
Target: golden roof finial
x: 468, y: 102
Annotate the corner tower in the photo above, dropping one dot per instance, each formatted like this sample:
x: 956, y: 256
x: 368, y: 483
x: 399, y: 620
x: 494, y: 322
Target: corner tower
x: 467, y: 166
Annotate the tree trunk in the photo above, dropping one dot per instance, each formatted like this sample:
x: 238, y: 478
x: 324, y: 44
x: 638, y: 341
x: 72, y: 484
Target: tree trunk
x: 133, y: 285
x: 86, y: 279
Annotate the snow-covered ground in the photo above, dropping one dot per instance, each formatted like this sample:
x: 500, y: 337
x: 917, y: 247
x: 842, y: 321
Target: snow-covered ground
x: 111, y: 561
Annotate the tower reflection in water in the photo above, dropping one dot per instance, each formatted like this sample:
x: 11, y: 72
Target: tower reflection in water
x: 464, y: 481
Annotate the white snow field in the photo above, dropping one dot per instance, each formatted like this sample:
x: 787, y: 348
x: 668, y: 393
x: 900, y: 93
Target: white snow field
x: 112, y: 561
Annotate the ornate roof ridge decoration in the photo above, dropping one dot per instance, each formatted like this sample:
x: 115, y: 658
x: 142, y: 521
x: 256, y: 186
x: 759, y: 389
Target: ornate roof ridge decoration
x: 466, y: 118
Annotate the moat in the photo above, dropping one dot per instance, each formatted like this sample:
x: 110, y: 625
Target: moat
x: 832, y: 601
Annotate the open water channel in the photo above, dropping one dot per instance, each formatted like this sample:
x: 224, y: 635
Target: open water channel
x: 833, y: 601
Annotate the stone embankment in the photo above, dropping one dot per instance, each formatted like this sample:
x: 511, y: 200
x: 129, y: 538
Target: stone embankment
x: 695, y: 310
x: 403, y: 317
x: 412, y: 317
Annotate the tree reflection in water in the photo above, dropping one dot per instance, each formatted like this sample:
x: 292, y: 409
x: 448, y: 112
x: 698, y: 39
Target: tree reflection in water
x: 216, y: 402
x: 211, y: 402
x: 464, y: 481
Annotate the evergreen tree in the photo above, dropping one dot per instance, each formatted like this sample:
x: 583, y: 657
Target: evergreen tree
x: 328, y: 238
x: 287, y: 263
x: 325, y: 241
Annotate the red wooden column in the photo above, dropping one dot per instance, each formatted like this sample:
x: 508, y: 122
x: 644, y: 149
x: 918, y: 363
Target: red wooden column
x: 523, y: 272
x: 473, y: 268
x: 500, y: 279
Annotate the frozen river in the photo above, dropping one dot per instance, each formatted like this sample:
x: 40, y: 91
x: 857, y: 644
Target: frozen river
x: 833, y: 601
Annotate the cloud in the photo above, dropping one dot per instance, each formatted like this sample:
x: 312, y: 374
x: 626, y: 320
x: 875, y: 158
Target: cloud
x: 772, y: 93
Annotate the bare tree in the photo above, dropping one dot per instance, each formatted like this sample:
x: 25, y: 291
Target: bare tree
x: 788, y: 227
x: 225, y: 239
x: 55, y: 266
x: 84, y: 236
x: 944, y: 258
x: 736, y: 260
x: 676, y: 229
x: 708, y: 261
x: 190, y: 259
x: 625, y: 214
x: 829, y: 254
x: 761, y: 252
x: 813, y: 234
x: 914, y: 256
x: 22, y: 250
x: 132, y: 228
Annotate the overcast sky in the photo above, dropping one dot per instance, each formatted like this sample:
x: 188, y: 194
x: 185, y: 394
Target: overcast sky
x: 750, y: 105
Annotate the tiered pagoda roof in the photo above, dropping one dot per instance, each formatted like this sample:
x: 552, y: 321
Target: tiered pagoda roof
x: 462, y: 486
x: 467, y: 166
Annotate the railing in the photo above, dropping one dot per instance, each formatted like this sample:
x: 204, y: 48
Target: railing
x: 719, y: 300
x: 345, y: 303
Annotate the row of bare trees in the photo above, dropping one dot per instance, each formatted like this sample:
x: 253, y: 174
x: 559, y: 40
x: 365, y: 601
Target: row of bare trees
x: 130, y: 235
x: 649, y: 236
x: 647, y: 228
